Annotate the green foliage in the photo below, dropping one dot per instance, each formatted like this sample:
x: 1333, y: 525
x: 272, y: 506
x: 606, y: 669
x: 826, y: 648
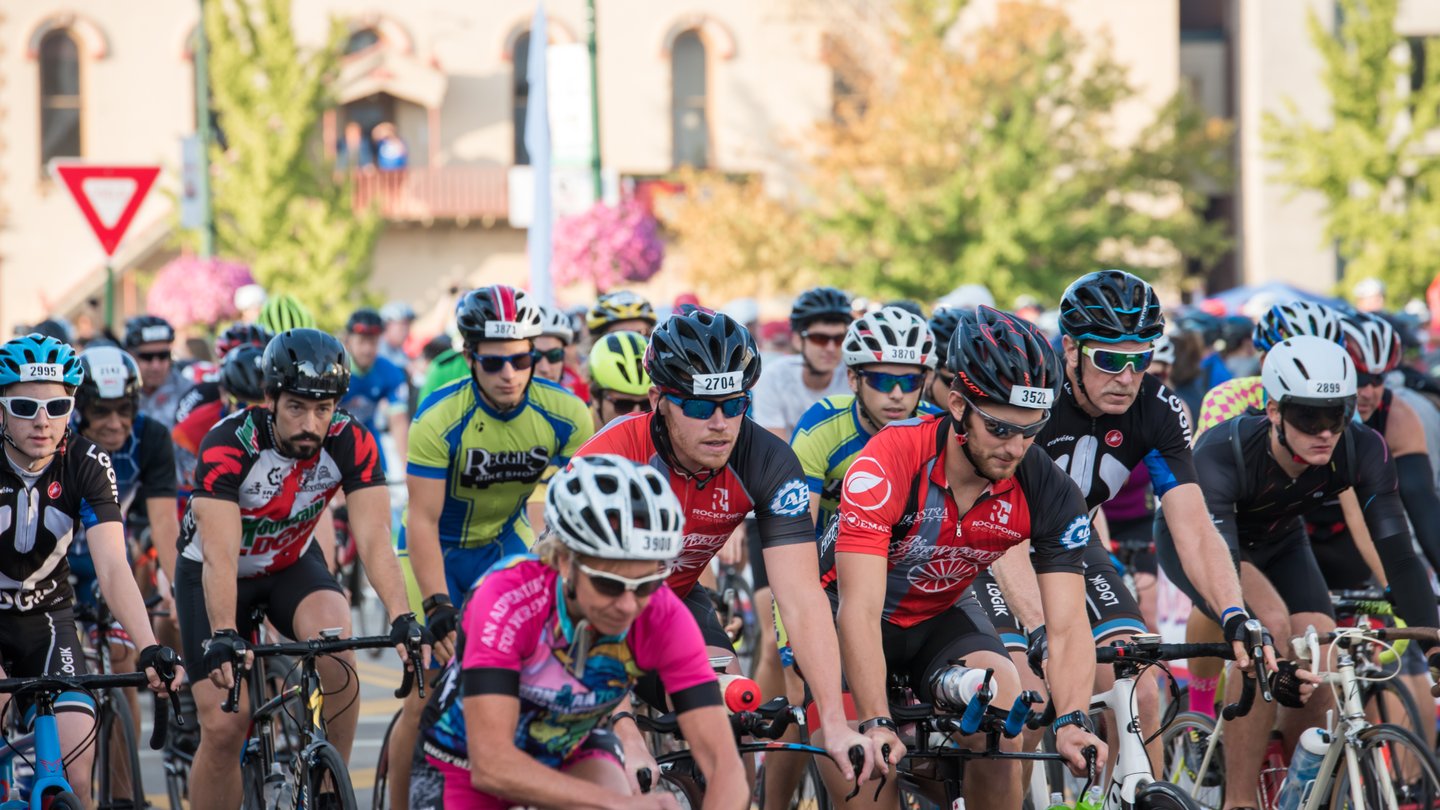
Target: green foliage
x: 278, y: 204
x: 1370, y: 161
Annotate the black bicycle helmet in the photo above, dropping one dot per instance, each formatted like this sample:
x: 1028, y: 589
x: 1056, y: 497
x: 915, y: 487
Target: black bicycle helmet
x: 498, y: 312
x: 143, y: 329
x: 242, y: 373
x: 943, y: 324
x: 1235, y: 331
x: 1111, y: 306
x: 110, y: 373
x: 307, y: 363
x: 364, y: 321
x: 820, y: 304
x: 912, y: 307
x: 241, y: 334
x: 57, y: 328
x: 704, y: 354
x: 999, y: 357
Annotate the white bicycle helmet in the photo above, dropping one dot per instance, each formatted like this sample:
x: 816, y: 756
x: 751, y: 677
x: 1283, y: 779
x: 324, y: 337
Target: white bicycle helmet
x: 890, y: 335
x: 1164, y: 349
x: 1373, y: 343
x: 615, y: 509
x: 555, y: 323
x: 1297, y: 318
x: 1308, y: 370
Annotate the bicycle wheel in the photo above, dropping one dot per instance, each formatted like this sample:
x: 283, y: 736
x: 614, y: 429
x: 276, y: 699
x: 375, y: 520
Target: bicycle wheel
x: 1184, y: 744
x: 380, y: 793
x: 65, y: 800
x: 810, y: 794
x: 1397, y: 772
x: 115, y: 772
x: 252, y: 779
x: 177, y: 779
x: 326, y: 783
x: 1164, y: 796
x: 1393, y: 704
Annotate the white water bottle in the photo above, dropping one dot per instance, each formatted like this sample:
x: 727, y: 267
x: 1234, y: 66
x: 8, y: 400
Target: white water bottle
x: 1304, y: 767
x: 955, y: 685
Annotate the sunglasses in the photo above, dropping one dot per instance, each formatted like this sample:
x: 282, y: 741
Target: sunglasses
x: 551, y: 355
x: 124, y: 410
x: 1001, y: 429
x: 1369, y: 380
x: 29, y: 408
x: 612, y: 586
x: 705, y: 408
x: 1313, y: 420
x: 152, y: 357
x: 493, y: 363
x: 886, y: 383
x: 821, y: 339
x: 946, y: 380
x: 624, y: 405
x: 1113, y: 362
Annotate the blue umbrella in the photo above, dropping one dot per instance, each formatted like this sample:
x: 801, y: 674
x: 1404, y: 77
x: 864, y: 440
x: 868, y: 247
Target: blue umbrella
x: 1279, y: 292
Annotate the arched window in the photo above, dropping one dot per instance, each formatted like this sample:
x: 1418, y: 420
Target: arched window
x: 362, y: 39
x: 521, y: 104
x: 59, y: 97
x: 690, y: 125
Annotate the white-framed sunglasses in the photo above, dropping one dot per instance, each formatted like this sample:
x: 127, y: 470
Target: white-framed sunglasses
x: 613, y: 585
x: 29, y: 407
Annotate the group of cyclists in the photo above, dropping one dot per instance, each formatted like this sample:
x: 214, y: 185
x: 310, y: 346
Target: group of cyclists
x: 908, y: 492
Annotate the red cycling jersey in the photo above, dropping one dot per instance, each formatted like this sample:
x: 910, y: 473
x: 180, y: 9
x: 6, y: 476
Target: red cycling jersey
x: 935, y: 551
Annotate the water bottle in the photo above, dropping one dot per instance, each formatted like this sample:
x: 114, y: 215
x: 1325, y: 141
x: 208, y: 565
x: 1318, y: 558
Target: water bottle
x: 1304, y: 766
x: 1057, y: 801
x: 741, y: 694
x: 1094, y: 799
x: 954, y: 686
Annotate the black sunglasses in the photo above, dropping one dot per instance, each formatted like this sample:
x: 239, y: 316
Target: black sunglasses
x: 1001, y: 429
x: 493, y: 363
x: 551, y: 355
x: 1313, y: 420
x: 623, y: 405
x: 152, y: 357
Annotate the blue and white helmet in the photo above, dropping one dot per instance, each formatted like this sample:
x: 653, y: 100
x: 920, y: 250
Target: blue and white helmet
x: 36, y: 358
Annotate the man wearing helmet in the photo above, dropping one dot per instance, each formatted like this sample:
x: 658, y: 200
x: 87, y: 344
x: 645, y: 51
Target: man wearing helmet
x: 239, y: 384
x: 149, y: 339
x: 263, y: 480
x: 554, y: 352
x: 619, y: 385
x: 540, y: 672
x: 918, y: 521
x: 479, y: 447
x: 398, y: 317
x: 795, y: 382
x: 722, y: 465
x: 379, y: 394
x: 51, y: 471
x: 1261, y: 474
x: 943, y: 323
x: 620, y: 311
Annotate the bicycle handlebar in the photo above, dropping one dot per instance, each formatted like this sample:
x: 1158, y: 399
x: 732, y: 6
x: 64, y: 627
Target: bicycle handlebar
x: 86, y: 683
x: 316, y: 647
x: 1161, y: 652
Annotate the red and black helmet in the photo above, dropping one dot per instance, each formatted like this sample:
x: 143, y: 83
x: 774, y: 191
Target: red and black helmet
x: 999, y: 357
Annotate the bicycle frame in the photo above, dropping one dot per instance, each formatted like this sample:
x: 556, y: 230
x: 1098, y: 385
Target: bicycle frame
x: 1132, y: 764
x: 1345, y: 739
x: 44, y: 744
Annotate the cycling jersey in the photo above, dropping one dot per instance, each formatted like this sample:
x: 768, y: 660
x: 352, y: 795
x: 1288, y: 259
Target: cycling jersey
x: 490, y: 461
x: 782, y: 397
x: 280, y: 498
x: 1230, y: 399
x: 381, y: 390
x: 447, y: 367
x: 38, y: 514
x: 162, y: 403
x: 762, y: 475
x: 200, y: 409
x: 827, y: 440
x: 516, y: 638
x: 934, y: 548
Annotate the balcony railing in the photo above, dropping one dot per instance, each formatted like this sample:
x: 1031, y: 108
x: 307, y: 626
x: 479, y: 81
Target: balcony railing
x: 426, y: 194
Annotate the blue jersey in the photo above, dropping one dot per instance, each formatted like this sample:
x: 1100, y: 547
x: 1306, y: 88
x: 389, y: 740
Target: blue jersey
x: 376, y: 394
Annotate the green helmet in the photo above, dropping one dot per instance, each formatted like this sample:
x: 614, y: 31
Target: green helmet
x: 281, y: 313
x: 617, y: 363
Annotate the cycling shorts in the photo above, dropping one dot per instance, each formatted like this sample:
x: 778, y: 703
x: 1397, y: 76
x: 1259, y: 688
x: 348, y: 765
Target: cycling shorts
x: 280, y: 594
x: 460, y: 794
x: 1111, y: 606
x: 701, y: 603
x: 45, y: 643
x: 1288, y: 563
x: 922, y: 649
x: 1341, y: 564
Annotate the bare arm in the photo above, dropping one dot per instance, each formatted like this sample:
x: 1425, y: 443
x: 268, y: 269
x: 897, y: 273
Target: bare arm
x: 1016, y: 577
x: 370, y: 525
x: 1201, y: 549
x: 422, y: 534
x: 218, y: 523
x: 1072, y: 651
x: 862, y: 601
x: 117, y: 581
x: 707, y: 729
x: 164, y: 532
x: 1360, y: 533
x: 400, y: 428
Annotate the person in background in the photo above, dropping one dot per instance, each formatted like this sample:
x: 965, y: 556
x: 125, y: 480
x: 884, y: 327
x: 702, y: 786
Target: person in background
x: 248, y: 301
x: 379, y: 393
x: 1369, y: 295
x: 282, y: 313
x: 1236, y: 350
x: 791, y: 384
x: 354, y: 151
x: 398, y: 317
x: 149, y: 340
x: 551, y: 350
x: 1028, y: 307
x: 618, y: 383
x: 943, y: 323
x: 774, y: 338
x: 391, y: 154
x: 621, y: 311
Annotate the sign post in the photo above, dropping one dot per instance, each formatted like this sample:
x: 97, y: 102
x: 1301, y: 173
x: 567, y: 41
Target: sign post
x: 108, y: 196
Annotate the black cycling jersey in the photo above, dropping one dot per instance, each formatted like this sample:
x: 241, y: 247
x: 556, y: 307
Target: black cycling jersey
x: 37, y: 522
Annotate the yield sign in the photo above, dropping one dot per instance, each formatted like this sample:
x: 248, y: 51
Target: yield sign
x: 108, y: 196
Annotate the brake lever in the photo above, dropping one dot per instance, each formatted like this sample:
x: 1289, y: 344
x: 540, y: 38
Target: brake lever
x: 857, y: 762
x: 1255, y: 637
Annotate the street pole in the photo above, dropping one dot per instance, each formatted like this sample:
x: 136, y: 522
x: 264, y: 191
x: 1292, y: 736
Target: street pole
x: 594, y: 100
x: 109, y: 292
x: 202, y: 131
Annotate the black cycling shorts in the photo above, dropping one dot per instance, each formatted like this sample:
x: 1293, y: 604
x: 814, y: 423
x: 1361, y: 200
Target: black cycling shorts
x: 1112, y: 608
x: 279, y: 593
x: 1288, y: 563
x: 1341, y: 564
x: 920, y: 650
x: 45, y: 643
x: 701, y: 603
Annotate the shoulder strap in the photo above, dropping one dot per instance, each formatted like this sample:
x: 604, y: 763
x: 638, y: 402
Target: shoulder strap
x: 1235, y: 442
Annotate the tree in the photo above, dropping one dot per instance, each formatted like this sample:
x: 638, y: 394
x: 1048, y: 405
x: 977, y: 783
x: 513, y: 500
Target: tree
x: 1371, y: 161
x: 278, y: 203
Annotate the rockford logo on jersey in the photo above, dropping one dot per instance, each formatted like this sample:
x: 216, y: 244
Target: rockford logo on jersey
x: 792, y: 499
x: 483, y: 468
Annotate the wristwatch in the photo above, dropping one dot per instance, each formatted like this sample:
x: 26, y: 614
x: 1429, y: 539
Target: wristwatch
x: 1075, y: 718
x: 880, y: 722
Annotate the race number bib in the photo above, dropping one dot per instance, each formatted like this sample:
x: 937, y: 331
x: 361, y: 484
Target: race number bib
x: 1324, y: 388
x: 713, y: 384
x: 502, y: 330
x: 41, y: 372
x: 1027, y: 397
x: 900, y: 354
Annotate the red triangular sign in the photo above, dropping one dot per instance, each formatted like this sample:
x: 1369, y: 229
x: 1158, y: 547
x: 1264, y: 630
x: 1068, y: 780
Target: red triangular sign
x: 108, y: 196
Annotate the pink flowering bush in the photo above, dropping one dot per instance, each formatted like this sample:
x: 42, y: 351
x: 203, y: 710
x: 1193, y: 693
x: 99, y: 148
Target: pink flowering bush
x: 608, y: 245
x: 191, y: 290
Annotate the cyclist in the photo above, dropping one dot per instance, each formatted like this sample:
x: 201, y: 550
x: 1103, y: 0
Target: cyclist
x: 478, y: 448
x: 52, y: 478
x: 943, y: 323
x: 904, y: 563
x: 722, y: 465
x: 1261, y: 474
x: 554, y: 352
x: 794, y: 382
x: 240, y: 384
x: 264, y: 478
x: 281, y: 313
x: 398, y: 317
x: 550, y: 644
x: 379, y: 395
x: 149, y: 338
x: 619, y: 385
x: 620, y: 311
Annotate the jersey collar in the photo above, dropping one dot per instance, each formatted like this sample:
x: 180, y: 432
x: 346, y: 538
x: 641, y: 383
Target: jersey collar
x: 484, y: 406
x: 566, y: 625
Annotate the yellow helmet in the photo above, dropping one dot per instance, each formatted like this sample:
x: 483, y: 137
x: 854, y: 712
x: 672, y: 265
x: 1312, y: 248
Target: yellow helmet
x: 619, y: 306
x: 617, y: 363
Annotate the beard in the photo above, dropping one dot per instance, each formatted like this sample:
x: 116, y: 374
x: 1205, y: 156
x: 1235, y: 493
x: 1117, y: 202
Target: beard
x: 291, y: 448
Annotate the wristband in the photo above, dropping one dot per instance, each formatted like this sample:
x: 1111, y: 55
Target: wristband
x: 434, y: 601
x: 1225, y: 614
x: 879, y: 722
x: 618, y: 716
x: 1075, y: 718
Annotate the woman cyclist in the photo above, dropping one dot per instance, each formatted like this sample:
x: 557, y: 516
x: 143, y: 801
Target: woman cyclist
x: 551, y: 643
